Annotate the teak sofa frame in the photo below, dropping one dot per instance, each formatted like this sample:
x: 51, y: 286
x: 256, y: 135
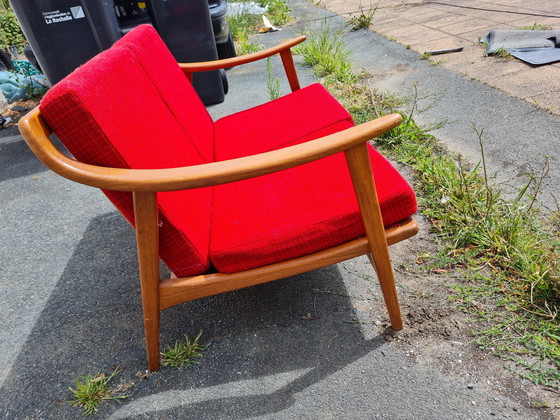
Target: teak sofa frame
x: 159, y: 294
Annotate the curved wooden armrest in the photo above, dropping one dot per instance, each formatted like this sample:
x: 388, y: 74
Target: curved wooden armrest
x: 244, y: 59
x: 282, y: 49
x: 36, y: 133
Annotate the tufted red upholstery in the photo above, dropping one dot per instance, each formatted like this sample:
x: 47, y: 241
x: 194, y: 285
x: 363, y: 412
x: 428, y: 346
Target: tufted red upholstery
x: 110, y: 113
x: 177, y: 93
x: 132, y: 107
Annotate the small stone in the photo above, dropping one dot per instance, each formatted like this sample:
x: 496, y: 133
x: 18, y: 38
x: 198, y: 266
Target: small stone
x: 515, y: 409
x: 496, y: 398
x: 470, y: 386
x: 473, y: 402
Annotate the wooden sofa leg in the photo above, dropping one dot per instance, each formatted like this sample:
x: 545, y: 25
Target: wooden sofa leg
x: 364, y: 185
x: 147, y: 239
x: 381, y: 263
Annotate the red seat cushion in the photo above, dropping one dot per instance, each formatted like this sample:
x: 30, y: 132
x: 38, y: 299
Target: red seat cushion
x: 110, y: 113
x: 303, y: 115
x: 298, y: 211
x: 173, y: 86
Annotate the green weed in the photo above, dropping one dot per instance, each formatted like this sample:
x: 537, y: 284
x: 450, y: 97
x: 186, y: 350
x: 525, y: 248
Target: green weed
x: 272, y: 83
x: 536, y: 27
x: 363, y: 19
x: 10, y: 31
x: 279, y: 13
x: 324, y: 51
x: 241, y: 26
x: 184, y: 352
x: 92, y: 391
x: 502, y: 53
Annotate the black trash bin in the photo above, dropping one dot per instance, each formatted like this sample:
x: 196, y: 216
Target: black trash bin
x: 186, y: 28
x: 66, y: 33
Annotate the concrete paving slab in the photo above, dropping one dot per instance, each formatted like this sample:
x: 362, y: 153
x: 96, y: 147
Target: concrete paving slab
x: 422, y: 15
x: 466, y: 26
x: 449, y: 19
x: 415, y: 34
x: 541, y: 81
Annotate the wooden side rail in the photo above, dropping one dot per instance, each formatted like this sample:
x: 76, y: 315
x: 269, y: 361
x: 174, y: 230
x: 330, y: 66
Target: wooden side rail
x: 283, y: 49
x: 35, y: 132
x: 174, y: 291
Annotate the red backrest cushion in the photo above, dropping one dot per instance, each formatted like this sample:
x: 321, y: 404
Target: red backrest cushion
x: 109, y: 113
x: 173, y: 86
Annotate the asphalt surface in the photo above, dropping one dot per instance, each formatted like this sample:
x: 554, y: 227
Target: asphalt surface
x: 71, y: 303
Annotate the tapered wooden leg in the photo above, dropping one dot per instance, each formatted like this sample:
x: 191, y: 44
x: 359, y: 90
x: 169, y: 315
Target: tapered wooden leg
x: 364, y: 185
x: 147, y: 239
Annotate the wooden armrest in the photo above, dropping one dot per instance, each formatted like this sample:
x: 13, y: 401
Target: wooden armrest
x: 36, y: 133
x: 244, y: 59
x: 282, y: 49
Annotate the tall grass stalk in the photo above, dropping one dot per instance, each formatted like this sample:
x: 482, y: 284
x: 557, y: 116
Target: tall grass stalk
x: 327, y: 55
x: 272, y: 83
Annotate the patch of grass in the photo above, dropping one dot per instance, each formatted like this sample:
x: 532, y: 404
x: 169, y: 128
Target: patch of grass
x: 279, y: 13
x: 244, y: 24
x: 502, y: 53
x: 536, y: 27
x: 364, y: 18
x: 184, y: 352
x: 325, y: 52
x: 502, y: 250
x: 92, y: 390
x: 548, y: 109
x: 241, y: 26
x: 425, y: 56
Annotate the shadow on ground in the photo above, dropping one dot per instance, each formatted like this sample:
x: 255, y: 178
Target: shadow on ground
x: 267, y: 342
x: 17, y: 160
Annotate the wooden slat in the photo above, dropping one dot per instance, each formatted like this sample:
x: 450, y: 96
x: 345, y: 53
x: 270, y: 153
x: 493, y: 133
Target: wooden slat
x: 178, y: 290
x: 244, y: 59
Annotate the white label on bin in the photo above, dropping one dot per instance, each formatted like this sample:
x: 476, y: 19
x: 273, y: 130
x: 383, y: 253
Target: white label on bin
x: 77, y: 12
x: 56, y: 16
